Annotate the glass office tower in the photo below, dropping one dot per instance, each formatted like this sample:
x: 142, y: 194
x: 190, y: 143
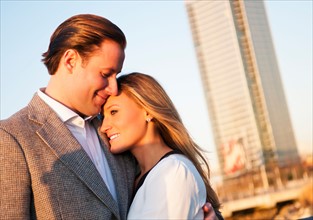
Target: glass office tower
x: 242, y: 85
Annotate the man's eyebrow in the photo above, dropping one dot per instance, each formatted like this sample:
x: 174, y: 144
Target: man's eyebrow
x: 108, y: 69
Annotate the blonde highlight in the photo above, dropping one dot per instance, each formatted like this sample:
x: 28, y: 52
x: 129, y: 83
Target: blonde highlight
x: 150, y: 95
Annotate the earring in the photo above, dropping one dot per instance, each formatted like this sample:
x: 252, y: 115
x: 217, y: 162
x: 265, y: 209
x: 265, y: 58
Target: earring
x: 148, y: 120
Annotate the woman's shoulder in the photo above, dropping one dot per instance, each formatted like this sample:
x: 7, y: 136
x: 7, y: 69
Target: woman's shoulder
x: 174, y: 188
x: 177, y: 167
x: 177, y: 161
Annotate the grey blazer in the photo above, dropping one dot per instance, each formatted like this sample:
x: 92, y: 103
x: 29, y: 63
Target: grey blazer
x: 46, y: 174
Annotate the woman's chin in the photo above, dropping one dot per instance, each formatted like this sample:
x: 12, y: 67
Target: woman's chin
x: 116, y: 151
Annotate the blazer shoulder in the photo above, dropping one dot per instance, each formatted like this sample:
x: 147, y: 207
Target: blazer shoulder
x: 16, y: 120
x: 36, y: 112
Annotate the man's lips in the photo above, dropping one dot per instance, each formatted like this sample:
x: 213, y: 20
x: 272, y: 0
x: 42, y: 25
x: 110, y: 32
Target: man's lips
x: 102, y: 98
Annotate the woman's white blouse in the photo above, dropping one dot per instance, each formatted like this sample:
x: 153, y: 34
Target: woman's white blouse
x: 173, y: 189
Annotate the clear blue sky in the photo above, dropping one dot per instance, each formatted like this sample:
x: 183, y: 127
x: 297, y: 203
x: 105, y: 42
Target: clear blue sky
x: 160, y: 44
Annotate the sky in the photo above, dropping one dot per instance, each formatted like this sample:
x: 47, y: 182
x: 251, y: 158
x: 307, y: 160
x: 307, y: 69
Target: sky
x: 159, y: 44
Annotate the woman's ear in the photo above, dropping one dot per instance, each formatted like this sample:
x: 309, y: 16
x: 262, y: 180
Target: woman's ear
x: 149, y: 117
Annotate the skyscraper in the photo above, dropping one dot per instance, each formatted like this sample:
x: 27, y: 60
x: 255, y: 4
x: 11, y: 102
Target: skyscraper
x: 243, y: 89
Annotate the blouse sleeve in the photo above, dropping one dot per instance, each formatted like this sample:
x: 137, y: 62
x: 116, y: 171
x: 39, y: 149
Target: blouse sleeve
x: 172, y: 190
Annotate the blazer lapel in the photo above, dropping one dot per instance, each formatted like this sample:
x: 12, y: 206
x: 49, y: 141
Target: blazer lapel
x: 64, y: 145
x: 117, y: 171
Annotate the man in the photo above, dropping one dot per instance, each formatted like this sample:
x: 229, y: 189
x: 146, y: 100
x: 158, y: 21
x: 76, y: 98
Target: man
x: 54, y: 163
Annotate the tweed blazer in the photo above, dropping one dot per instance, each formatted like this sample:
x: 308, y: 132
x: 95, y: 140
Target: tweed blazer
x: 46, y: 174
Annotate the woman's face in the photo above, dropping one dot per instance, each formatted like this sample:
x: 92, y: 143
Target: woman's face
x: 124, y: 123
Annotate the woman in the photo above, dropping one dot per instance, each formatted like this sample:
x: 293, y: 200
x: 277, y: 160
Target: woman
x: 173, y: 182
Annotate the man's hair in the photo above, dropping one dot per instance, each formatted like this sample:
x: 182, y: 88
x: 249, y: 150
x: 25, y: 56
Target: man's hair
x: 84, y: 33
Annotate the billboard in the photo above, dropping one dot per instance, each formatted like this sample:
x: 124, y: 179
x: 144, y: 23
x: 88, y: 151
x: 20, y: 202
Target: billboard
x: 234, y: 156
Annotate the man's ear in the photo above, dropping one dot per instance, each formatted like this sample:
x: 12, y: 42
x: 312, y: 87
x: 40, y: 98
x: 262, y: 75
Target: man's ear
x: 70, y: 58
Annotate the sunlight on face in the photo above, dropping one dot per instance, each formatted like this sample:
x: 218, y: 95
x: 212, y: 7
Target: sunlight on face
x: 124, y: 123
x: 96, y: 81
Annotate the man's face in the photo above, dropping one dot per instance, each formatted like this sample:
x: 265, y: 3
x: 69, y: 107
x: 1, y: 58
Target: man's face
x: 95, y: 80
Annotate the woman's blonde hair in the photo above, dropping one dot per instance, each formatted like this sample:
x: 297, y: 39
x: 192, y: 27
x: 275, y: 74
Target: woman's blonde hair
x: 150, y: 95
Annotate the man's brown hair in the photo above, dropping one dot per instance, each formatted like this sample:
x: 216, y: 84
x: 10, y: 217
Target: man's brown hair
x: 84, y: 33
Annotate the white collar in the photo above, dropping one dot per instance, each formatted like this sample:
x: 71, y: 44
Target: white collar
x: 64, y: 113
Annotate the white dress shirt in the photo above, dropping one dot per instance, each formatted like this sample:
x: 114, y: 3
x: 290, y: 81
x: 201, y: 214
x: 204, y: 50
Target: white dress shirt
x: 173, y: 189
x: 86, y: 135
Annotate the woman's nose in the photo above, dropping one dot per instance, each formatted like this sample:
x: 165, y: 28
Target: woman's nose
x: 104, y: 126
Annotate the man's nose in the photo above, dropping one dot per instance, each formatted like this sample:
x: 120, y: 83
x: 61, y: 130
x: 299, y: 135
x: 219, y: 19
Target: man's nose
x: 112, y: 86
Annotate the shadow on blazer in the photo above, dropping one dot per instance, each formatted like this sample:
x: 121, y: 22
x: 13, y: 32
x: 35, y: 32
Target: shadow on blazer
x: 46, y: 174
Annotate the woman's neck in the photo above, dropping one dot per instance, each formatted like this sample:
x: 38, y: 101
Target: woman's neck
x: 149, y: 155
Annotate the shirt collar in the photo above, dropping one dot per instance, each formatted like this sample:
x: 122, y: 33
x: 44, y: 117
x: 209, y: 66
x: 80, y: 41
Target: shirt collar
x: 64, y: 113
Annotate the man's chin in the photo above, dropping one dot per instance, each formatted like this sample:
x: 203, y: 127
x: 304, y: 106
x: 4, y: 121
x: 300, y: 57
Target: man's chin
x: 98, y: 105
x: 94, y: 111
x: 100, y: 100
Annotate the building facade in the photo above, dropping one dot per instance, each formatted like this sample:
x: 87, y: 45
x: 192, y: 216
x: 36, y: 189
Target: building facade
x: 243, y: 89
